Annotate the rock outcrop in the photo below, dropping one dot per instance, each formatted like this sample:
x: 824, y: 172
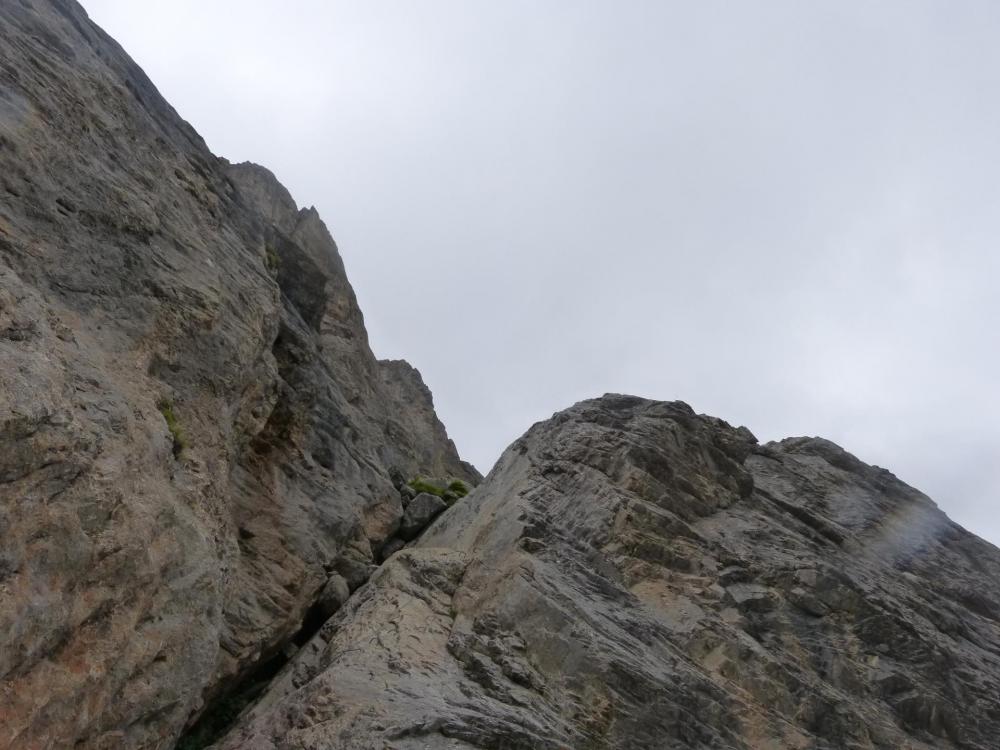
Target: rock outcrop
x: 194, y: 433
x: 634, y: 575
x: 211, y: 508
x: 423, y: 509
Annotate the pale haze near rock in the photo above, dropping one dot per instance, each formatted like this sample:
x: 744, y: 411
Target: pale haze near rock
x: 780, y: 213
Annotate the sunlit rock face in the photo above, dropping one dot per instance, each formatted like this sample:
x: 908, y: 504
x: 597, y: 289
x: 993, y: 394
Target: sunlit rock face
x: 194, y: 432
x: 634, y: 575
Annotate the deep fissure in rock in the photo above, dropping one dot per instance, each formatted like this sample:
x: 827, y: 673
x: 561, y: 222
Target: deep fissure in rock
x: 223, y: 711
x: 314, y: 619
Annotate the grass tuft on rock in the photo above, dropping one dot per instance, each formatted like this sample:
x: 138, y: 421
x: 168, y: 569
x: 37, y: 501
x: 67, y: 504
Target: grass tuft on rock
x: 449, y: 491
x: 459, y: 487
x: 419, y: 484
x: 167, y: 410
x: 271, y: 259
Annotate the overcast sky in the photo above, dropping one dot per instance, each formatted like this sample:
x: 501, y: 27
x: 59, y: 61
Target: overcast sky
x: 784, y: 213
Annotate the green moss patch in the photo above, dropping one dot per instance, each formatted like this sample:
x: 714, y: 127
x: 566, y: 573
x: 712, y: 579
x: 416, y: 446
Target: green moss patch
x: 419, y: 484
x: 454, y: 490
x: 459, y: 487
x: 271, y: 259
x: 167, y: 410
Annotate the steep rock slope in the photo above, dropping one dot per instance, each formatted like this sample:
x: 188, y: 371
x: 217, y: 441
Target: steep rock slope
x: 633, y: 575
x: 194, y: 433
x: 196, y: 460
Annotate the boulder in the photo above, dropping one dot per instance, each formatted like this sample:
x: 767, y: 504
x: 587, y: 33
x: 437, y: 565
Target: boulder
x: 332, y: 597
x: 406, y: 494
x: 397, y: 477
x: 354, y: 571
x: 423, y: 509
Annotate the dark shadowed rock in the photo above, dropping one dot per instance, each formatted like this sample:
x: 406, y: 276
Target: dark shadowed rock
x: 406, y: 494
x: 332, y: 597
x: 397, y: 478
x: 420, y: 511
x: 353, y: 570
x: 390, y: 548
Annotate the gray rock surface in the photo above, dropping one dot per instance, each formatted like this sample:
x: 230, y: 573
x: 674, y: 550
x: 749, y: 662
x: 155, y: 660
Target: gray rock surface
x: 633, y: 575
x: 141, y: 276
x: 413, y: 415
x: 333, y: 596
x: 390, y: 548
x: 406, y: 494
x: 420, y: 511
x: 200, y: 458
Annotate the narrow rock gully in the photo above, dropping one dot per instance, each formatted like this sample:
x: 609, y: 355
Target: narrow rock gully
x: 420, y: 508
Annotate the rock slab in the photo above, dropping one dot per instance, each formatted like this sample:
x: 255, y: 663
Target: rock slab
x: 634, y: 575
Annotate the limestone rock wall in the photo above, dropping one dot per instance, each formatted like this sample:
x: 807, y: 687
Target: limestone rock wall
x: 194, y: 432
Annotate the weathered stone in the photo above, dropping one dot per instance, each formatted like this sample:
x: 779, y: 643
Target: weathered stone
x: 390, y: 548
x: 423, y: 509
x: 332, y: 597
x: 634, y: 575
x: 139, y: 272
x: 199, y: 454
x: 397, y: 477
x: 406, y: 494
x: 354, y: 571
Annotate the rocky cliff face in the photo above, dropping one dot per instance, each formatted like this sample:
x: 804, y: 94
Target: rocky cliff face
x: 202, y: 462
x: 633, y: 575
x: 194, y: 433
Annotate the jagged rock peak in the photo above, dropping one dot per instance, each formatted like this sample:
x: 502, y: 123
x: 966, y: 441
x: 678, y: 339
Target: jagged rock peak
x: 269, y: 198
